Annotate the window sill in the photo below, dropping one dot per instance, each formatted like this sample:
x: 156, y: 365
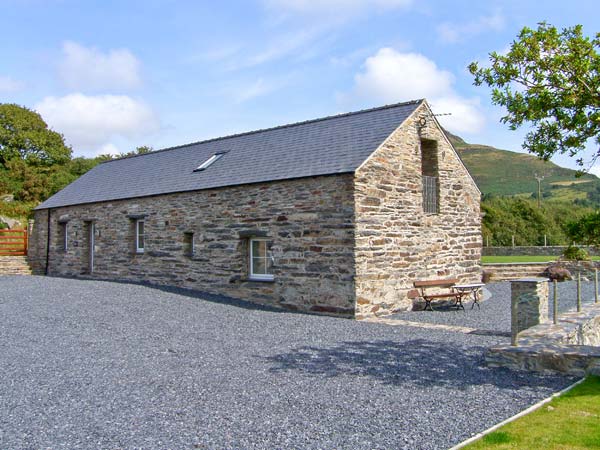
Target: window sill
x: 262, y: 280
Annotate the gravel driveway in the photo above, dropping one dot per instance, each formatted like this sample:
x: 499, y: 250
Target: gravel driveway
x: 88, y: 364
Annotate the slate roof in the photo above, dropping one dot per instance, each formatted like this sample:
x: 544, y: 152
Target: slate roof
x: 331, y: 145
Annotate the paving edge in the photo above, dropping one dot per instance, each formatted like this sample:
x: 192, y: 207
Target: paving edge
x: 516, y: 416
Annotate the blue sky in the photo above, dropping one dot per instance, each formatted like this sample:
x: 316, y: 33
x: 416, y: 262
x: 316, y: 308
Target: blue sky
x: 113, y: 75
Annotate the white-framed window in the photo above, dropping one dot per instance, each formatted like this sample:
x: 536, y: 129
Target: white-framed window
x: 64, y: 236
x: 139, y: 236
x: 210, y: 161
x: 261, y: 260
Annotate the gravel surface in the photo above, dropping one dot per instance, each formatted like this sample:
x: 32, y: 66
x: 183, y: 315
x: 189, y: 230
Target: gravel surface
x: 89, y: 364
x: 494, y: 315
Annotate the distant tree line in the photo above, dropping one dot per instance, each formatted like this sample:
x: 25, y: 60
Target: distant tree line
x: 35, y: 162
x: 505, y: 217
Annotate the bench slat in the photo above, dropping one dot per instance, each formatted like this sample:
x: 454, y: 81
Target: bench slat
x: 433, y: 283
x: 446, y: 295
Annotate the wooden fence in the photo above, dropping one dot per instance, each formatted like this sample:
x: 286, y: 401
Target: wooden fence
x: 13, y: 242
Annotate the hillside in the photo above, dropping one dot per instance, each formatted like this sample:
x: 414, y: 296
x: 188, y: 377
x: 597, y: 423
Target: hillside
x: 502, y: 172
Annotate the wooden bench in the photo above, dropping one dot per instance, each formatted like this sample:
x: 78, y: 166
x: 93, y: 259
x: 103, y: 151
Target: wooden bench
x: 425, y: 285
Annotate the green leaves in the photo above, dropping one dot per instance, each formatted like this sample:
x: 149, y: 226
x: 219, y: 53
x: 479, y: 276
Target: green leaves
x: 550, y: 80
x: 585, y: 230
x: 24, y: 135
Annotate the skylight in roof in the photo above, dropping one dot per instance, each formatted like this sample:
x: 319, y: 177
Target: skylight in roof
x: 209, y: 162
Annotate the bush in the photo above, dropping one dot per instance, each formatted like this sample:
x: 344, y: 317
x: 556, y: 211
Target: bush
x: 558, y: 273
x: 486, y: 276
x: 573, y: 253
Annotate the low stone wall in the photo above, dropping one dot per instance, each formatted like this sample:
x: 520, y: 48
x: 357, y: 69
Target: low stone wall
x: 554, y: 250
x: 573, y: 360
x: 584, y: 268
x: 571, y: 346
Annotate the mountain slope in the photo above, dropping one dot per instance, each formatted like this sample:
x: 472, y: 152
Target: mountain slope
x: 502, y: 172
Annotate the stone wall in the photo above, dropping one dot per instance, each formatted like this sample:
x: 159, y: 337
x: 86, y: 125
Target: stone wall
x: 529, y: 304
x: 309, y: 223
x: 554, y: 250
x: 571, y: 346
x: 396, y: 242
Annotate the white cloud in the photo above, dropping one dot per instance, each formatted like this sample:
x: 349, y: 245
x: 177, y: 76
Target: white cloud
x: 108, y: 149
x: 390, y: 76
x: 8, y: 85
x: 452, y: 33
x: 334, y: 6
x: 256, y: 89
x: 84, y: 68
x: 294, y: 44
x: 90, y: 122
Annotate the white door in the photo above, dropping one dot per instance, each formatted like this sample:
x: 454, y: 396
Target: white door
x: 91, y: 243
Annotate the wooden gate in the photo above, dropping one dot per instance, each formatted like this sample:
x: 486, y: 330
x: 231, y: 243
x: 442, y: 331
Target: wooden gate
x: 13, y: 242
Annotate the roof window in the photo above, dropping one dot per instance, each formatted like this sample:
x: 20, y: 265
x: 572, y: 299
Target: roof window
x: 209, y: 162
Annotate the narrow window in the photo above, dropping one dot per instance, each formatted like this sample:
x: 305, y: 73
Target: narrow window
x: 261, y: 261
x: 139, y: 236
x: 188, y: 243
x: 64, y: 236
x: 210, y: 161
x: 430, y: 175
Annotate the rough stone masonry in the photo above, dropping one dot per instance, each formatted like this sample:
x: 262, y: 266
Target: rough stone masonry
x: 347, y: 244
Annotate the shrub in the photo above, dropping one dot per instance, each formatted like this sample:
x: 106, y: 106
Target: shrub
x: 486, y: 276
x: 575, y: 254
x: 558, y: 273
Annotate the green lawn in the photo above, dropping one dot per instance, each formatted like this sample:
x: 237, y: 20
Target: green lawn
x: 571, y: 421
x: 522, y: 258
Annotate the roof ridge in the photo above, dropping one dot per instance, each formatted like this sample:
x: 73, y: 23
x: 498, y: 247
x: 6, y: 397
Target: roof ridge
x: 278, y: 127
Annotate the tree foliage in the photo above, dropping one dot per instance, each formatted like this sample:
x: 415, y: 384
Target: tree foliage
x: 506, y: 217
x: 25, y: 136
x: 586, y: 230
x: 550, y: 80
x: 35, y: 162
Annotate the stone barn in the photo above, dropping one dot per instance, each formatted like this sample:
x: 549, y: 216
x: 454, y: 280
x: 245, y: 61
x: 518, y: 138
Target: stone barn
x: 337, y: 215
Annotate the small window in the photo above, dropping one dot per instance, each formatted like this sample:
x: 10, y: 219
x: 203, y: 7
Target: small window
x: 139, y: 236
x: 430, y: 176
x: 64, y: 236
x: 188, y: 244
x: 261, y: 260
x: 210, y: 161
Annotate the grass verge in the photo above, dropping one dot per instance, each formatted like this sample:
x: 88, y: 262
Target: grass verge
x: 571, y: 421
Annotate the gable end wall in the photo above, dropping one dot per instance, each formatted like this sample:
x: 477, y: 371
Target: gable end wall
x: 396, y: 243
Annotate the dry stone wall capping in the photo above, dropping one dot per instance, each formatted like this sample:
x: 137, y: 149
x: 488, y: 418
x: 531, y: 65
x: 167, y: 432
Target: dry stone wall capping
x: 309, y: 223
x: 396, y: 241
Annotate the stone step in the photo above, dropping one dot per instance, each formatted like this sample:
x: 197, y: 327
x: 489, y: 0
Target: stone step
x: 14, y: 265
x: 511, y: 271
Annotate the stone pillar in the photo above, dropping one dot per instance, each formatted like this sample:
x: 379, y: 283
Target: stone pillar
x: 529, y: 304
